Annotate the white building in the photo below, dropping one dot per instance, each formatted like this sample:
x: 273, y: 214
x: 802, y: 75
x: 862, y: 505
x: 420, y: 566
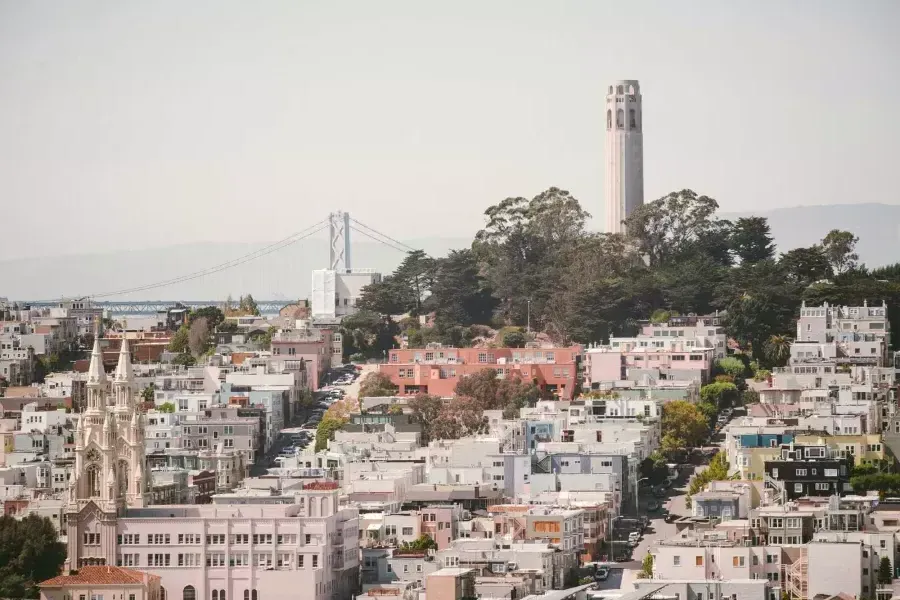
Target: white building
x: 624, y: 153
x: 335, y: 293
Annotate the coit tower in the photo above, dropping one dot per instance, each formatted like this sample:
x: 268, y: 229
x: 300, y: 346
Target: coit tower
x: 624, y: 153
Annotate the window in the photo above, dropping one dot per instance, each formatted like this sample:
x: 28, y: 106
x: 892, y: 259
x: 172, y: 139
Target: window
x: 823, y: 487
x: 776, y: 523
x: 407, y: 531
x: 620, y: 119
x: 801, y: 473
x: 793, y: 523
x: 315, y: 561
x: 737, y: 561
x: 676, y: 561
x: 798, y: 487
x: 299, y: 561
x: 698, y: 561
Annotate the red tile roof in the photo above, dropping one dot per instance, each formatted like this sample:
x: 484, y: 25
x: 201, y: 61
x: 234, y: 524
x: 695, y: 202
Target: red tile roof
x: 321, y: 485
x: 96, y: 575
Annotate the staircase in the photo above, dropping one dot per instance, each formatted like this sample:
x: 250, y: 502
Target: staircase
x: 797, y: 577
x: 776, y: 485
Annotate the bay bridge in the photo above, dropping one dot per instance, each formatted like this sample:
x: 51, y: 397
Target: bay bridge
x: 339, y: 225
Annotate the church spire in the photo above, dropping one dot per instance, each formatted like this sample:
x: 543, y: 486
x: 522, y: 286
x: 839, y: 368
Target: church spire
x: 96, y: 373
x: 124, y: 372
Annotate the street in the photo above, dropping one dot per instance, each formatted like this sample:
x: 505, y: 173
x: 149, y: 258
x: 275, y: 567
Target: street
x: 657, y: 530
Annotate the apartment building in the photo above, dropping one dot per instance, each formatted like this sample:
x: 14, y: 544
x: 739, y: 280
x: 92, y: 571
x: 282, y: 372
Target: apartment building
x: 808, y: 471
x: 314, y: 346
x: 267, y: 550
x: 647, y: 360
x: 437, y: 369
x: 850, y: 335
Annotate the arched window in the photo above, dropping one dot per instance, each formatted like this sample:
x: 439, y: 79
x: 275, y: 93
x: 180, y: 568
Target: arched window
x: 312, y: 507
x: 620, y: 119
x: 189, y: 593
x: 610, y: 89
x: 632, y: 121
x: 215, y: 595
x: 221, y: 594
x: 609, y: 119
x: 620, y: 90
x: 631, y: 89
x: 162, y: 593
x: 324, y: 512
x: 93, y: 481
x: 255, y: 596
x: 246, y: 594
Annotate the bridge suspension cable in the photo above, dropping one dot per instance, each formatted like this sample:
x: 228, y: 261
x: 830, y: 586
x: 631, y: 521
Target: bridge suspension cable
x: 283, y: 243
x: 393, y: 243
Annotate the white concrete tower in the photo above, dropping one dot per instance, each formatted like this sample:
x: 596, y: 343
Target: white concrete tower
x: 624, y: 153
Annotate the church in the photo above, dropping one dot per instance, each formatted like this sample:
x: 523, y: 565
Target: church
x: 257, y: 548
x: 109, y: 462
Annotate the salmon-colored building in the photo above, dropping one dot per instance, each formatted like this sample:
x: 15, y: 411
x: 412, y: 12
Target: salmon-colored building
x: 437, y: 370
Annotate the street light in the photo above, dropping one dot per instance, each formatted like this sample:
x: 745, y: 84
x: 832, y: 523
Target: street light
x: 637, y: 493
x: 610, y: 533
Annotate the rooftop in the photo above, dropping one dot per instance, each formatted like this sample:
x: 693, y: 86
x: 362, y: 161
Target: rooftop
x: 96, y: 575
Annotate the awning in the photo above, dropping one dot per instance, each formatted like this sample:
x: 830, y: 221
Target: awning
x: 373, y: 527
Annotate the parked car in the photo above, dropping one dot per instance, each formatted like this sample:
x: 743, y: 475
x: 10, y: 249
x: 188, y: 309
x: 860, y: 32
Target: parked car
x: 602, y: 573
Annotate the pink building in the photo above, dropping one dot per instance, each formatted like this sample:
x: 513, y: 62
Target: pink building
x: 632, y: 359
x: 440, y: 523
x: 256, y: 548
x: 315, y: 347
x: 437, y: 370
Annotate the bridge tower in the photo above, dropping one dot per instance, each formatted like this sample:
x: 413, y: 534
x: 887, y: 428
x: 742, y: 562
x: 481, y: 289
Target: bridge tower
x: 339, y: 241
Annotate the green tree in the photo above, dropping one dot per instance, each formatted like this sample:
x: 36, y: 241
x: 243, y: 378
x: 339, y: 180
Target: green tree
x: 166, y: 407
x: 885, y: 572
x: 181, y: 339
x: 720, y: 394
x: 325, y: 431
x: 683, y: 424
x: 213, y: 315
x: 423, y: 542
x: 514, y: 339
x: 778, y: 349
x: 148, y: 394
x: 185, y: 359
x: 654, y: 468
x: 717, y: 470
x: 751, y: 240
x: 839, y: 247
x: 646, y: 571
x: 426, y: 410
x: 30, y: 552
x: 804, y: 266
x: 521, y: 248
x: 673, y: 225
x: 731, y: 366
x: 376, y: 384
x: 247, y: 305
x: 460, y: 296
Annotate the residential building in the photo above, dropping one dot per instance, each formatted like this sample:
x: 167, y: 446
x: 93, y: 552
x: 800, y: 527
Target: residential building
x: 808, y: 471
x: 97, y: 582
x: 437, y: 369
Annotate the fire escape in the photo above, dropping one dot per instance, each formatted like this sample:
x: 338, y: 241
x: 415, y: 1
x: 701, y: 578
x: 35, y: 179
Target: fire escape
x: 777, y: 486
x: 797, y: 577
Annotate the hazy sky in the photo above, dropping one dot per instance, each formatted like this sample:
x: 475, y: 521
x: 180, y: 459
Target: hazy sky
x: 138, y: 124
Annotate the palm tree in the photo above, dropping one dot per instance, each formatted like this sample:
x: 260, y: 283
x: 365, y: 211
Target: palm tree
x: 778, y: 349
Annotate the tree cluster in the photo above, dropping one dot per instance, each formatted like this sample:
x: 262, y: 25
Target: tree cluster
x: 534, y: 257
x: 717, y: 470
x: 30, y: 552
x: 464, y: 415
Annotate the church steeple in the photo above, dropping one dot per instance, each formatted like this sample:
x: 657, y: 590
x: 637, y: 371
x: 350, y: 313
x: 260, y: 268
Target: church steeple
x: 123, y: 384
x: 96, y: 381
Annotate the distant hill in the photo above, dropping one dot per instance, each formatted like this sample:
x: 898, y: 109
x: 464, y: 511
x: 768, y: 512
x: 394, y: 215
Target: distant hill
x: 281, y: 275
x: 286, y: 274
